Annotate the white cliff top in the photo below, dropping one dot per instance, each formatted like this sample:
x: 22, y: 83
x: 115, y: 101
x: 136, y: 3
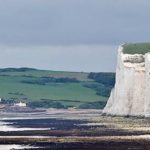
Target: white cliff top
x: 133, y: 57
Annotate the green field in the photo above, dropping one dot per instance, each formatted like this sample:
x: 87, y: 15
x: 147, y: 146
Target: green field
x: 136, y: 48
x: 23, y: 84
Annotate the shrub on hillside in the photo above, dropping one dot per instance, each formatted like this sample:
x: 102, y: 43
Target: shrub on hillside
x: 101, y: 89
x: 93, y: 105
x: 46, y: 80
x: 104, y: 78
x: 45, y: 104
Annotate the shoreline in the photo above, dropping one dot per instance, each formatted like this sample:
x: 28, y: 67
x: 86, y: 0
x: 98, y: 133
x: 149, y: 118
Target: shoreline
x: 73, y: 129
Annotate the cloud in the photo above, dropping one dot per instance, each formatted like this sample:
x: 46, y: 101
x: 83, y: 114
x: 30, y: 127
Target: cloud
x: 64, y: 34
x: 64, y: 22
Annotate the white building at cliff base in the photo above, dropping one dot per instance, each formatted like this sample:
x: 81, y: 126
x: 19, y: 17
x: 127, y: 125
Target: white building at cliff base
x: 20, y: 104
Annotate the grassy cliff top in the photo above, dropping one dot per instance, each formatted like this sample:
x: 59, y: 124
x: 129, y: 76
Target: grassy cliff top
x: 136, y: 48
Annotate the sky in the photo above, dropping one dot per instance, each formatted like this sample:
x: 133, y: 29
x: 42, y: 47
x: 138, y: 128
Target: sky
x: 70, y: 35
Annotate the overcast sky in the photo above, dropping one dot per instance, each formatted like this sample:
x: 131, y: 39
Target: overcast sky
x: 73, y: 35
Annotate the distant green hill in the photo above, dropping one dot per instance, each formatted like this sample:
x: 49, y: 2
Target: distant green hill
x: 58, y: 89
x: 136, y: 48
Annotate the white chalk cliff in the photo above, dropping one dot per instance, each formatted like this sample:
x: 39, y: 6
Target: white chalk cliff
x: 131, y: 94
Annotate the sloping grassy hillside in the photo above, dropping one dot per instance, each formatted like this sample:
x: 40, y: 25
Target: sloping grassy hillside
x: 51, y: 88
x: 136, y: 48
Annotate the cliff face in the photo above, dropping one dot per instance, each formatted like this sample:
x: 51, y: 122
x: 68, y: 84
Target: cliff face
x: 131, y: 94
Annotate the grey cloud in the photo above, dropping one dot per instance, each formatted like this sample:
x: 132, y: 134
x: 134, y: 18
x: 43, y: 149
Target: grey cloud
x: 63, y: 22
x: 27, y: 27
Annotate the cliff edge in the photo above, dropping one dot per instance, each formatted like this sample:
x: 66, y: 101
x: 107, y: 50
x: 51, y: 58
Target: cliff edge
x: 131, y: 94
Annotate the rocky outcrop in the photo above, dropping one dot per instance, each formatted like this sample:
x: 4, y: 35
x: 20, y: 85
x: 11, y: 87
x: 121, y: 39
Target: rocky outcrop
x: 131, y: 94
